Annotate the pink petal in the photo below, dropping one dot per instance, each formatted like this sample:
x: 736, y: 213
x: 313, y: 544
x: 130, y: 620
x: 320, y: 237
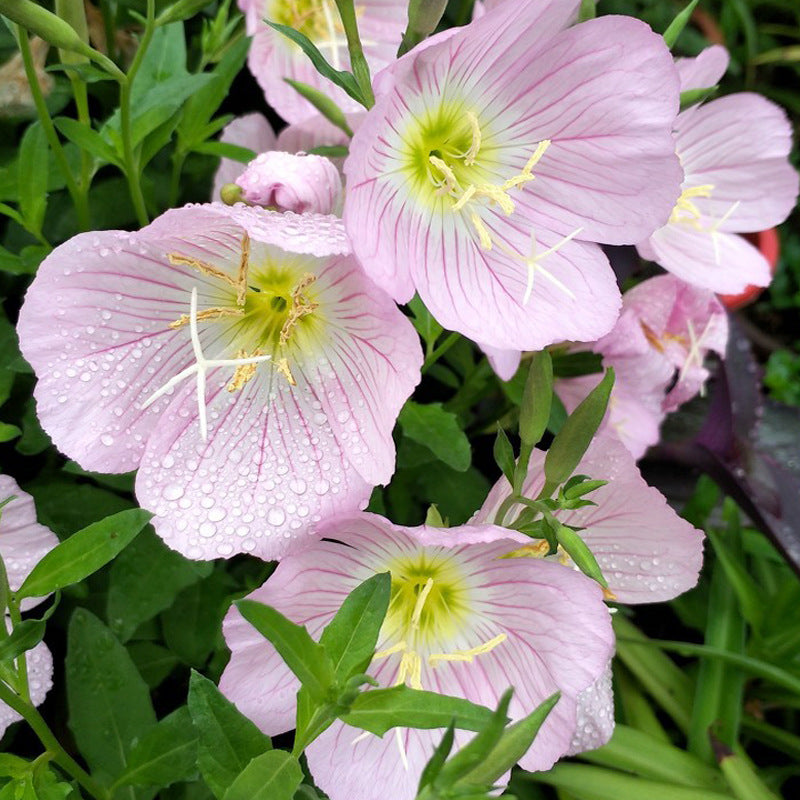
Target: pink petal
x: 739, y: 144
x: 23, y: 541
x: 595, y: 715
x: 252, y: 131
x: 39, y: 661
x: 691, y: 255
x: 705, y: 71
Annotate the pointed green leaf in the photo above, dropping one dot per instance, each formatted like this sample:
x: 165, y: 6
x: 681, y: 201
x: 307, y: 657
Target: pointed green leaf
x: 343, y: 80
x: 537, y: 398
x: 438, y: 430
x: 109, y: 703
x: 227, y: 740
x: 165, y: 754
x: 504, y: 455
x: 271, y: 776
x: 380, y: 710
x: 437, y: 760
x: 677, y: 25
x: 323, y: 104
x: 580, y: 553
x: 575, y: 436
x: 513, y: 744
x: 350, y: 637
x: 33, y: 161
x: 84, y: 553
x: 305, y: 657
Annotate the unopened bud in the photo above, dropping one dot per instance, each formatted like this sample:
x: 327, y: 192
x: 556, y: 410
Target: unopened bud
x: 300, y: 183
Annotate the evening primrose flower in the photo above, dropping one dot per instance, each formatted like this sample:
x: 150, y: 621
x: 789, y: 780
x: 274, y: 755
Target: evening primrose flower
x: 495, y: 156
x: 239, y: 358
x: 23, y: 543
x: 738, y: 179
x: 462, y: 620
x: 285, y: 182
x: 273, y: 56
x: 658, y: 349
x: 646, y: 552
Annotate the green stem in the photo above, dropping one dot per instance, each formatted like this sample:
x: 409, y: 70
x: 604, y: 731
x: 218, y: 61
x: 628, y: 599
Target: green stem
x: 358, y: 62
x: 82, y: 104
x: 505, y: 507
x: 48, y: 739
x: 439, y: 351
x: 178, y: 159
x: 109, y: 28
x: 79, y: 200
x: 132, y: 168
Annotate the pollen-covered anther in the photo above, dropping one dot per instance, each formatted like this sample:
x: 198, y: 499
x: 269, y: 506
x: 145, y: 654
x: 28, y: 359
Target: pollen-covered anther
x: 207, y: 315
x: 534, y: 550
x: 203, y: 267
x: 686, y: 210
x: 244, y: 372
x: 468, y: 655
x: 301, y: 307
x: 244, y: 267
x: 282, y: 365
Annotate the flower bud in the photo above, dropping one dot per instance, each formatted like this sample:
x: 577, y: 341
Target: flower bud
x: 286, y: 182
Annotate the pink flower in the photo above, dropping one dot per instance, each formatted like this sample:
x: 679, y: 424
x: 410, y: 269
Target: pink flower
x: 23, y: 543
x: 298, y: 183
x: 646, y: 551
x: 738, y: 179
x: 257, y: 325
x: 273, y: 57
x: 492, y: 151
x: 252, y: 131
x: 658, y: 349
x: 463, y: 621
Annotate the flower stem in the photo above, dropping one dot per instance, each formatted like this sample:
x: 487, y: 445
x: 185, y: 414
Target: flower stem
x: 132, y: 167
x: 80, y: 200
x: 358, y: 62
x: 48, y: 739
x: 439, y: 351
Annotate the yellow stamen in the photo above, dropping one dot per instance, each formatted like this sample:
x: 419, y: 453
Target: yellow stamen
x: 652, y: 337
x: 202, y: 267
x: 390, y: 651
x: 474, y: 148
x: 282, y: 366
x: 468, y: 655
x: 609, y: 595
x: 449, y: 182
x: 244, y: 372
x: 419, y: 605
x: 483, y: 233
x: 241, y: 278
x: 469, y: 193
x: 207, y: 314
x: 410, y: 671
x: 685, y: 204
x: 536, y: 550
x: 301, y: 307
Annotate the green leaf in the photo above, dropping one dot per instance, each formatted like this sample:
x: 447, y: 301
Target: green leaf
x: 743, y: 778
x: 380, y: 710
x: 573, y: 365
x: 227, y: 740
x: 580, y: 553
x: 438, y: 430
x: 437, y: 760
x: 480, y: 746
x: 84, y: 553
x: 677, y: 25
x: 271, y: 776
x: 33, y: 161
x: 596, y: 783
x: 350, y: 637
x: 192, y: 625
x: 575, y: 436
x: 225, y: 150
x: 693, y: 96
x: 305, y: 658
x: 166, y: 754
x: 323, y: 104
x: 537, y: 398
x: 88, y: 139
x: 24, y: 637
x: 144, y: 579
x: 109, y: 703
x: 424, y: 322
x: 8, y: 432
x: 343, y: 80
x: 512, y: 745
x: 504, y: 455
x: 153, y: 661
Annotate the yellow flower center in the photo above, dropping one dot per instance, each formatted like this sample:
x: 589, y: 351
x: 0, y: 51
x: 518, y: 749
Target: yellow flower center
x: 429, y: 606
